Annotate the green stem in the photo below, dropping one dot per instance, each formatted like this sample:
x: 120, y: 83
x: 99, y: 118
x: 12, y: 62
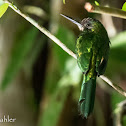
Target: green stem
x: 105, y: 10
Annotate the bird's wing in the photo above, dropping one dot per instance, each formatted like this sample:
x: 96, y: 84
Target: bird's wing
x: 102, y: 59
x: 84, y: 53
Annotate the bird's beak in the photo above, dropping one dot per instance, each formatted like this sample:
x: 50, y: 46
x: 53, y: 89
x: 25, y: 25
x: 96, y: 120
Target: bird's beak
x: 75, y: 22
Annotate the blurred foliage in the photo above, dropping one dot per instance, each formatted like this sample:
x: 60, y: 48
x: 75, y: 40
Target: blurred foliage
x: 68, y: 38
x: 124, y: 121
x: 117, y: 55
x: 115, y: 99
x: 59, y: 78
x: 53, y: 110
x: 62, y: 73
x: 60, y: 58
x: 18, y: 55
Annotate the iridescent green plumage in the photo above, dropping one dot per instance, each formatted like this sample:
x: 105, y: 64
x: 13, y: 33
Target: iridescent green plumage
x: 92, y: 55
x: 92, y: 49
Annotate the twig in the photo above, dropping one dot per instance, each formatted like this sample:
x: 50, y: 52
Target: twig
x: 105, y: 10
x: 116, y: 87
x: 42, y: 29
x: 58, y: 42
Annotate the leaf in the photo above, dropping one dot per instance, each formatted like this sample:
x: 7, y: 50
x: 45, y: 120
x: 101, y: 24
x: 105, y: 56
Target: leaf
x: 67, y: 37
x: 60, y: 57
x: 124, y: 7
x: 96, y: 3
x: 119, y: 40
x: 118, y: 47
x: 3, y: 8
x: 64, y: 2
x: 18, y: 56
x: 115, y: 99
x: 34, y: 53
x: 117, y: 57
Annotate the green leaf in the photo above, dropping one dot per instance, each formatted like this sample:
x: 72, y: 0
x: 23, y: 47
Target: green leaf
x: 117, y: 57
x: 34, y: 53
x: 64, y: 2
x: 118, y: 47
x: 67, y: 37
x: 115, y: 99
x: 96, y: 3
x: 3, y: 8
x: 119, y: 40
x: 19, y: 53
x: 124, y: 7
x: 60, y: 57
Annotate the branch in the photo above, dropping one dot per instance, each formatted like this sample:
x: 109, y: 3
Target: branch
x: 105, y: 10
x: 58, y: 42
x: 42, y: 29
x: 115, y: 86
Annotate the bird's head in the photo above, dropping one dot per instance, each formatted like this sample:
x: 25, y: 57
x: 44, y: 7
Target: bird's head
x: 89, y: 24
x: 86, y: 24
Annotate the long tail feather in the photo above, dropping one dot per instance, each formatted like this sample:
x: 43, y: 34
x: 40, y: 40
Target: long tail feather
x: 87, y: 97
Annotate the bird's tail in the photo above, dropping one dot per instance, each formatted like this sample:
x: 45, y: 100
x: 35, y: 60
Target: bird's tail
x: 87, y: 96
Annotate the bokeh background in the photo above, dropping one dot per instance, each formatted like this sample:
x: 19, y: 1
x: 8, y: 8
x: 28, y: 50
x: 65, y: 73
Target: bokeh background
x: 41, y: 81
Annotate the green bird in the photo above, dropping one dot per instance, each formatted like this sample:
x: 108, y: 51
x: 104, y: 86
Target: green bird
x: 92, y: 47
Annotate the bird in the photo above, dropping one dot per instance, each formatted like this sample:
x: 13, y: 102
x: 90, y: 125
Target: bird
x: 92, y: 48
